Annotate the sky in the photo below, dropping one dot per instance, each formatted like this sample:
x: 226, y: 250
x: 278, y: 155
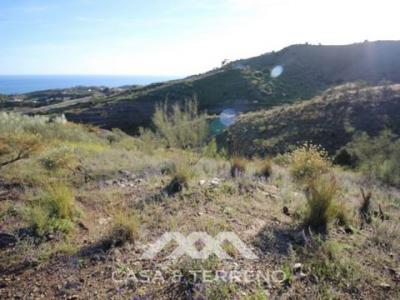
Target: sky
x: 175, y: 37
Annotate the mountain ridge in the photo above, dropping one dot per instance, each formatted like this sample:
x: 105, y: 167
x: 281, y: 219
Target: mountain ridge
x: 246, y: 84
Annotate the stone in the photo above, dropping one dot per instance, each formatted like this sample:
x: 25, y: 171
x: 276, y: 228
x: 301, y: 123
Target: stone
x: 297, y: 268
x: 109, y: 182
x: 385, y: 286
x: 215, y: 182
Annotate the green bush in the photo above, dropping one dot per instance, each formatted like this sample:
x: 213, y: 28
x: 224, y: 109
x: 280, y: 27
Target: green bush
x: 60, y: 158
x: 379, y: 157
x: 182, y: 127
x: 211, y: 150
x: 149, y: 140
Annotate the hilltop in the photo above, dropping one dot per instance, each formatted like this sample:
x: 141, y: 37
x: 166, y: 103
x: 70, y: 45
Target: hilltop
x: 245, y: 85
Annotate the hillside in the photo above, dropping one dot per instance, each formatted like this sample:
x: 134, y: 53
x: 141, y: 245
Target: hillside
x: 330, y: 120
x: 247, y: 85
x: 79, y: 206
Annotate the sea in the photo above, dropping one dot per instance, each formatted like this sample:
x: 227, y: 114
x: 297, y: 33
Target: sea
x: 18, y: 84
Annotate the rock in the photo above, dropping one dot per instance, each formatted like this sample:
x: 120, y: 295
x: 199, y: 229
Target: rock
x: 72, y: 285
x: 297, y: 268
x: 215, y: 181
x: 385, y: 286
x: 109, y: 182
x: 285, y: 210
x: 202, y: 182
x: 7, y: 240
x: 103, y: 221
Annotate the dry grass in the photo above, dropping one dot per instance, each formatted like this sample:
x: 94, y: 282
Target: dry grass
x: 238, y: 166
x: 321, y: 205
x: 125, y: 228
x: 263, y: 168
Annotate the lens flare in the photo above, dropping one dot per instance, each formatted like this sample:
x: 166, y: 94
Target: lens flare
x: 276, y: 71
x: 228, y: 117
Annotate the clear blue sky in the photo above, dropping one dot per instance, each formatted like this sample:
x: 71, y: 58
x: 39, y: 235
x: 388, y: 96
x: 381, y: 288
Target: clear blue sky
x: 175, y: 37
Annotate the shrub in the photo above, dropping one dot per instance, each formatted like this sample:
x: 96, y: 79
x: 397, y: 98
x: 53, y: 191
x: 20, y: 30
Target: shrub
x: 377, y: 158
x: 321, y: 205
x: 125, y: 229
x: 308, y: 163
x: 182, y: 127
x: 365, y: 209
x: 211, y: 150
x: 182, y: 172
x: 53, y: 210
x: 60, y: 158
x: 38, y: 219
x: 264, y: 168
x: 149, y: 140
x: 59, y: 200
x: 238, y: 166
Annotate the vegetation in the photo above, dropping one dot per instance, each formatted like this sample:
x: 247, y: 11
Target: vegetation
x: 85, y: 191
x: 182, y: 127
x: 330, y: 120
x: 264, y: 168
x: 52, y: 210
x: 238, y: 166
x: 378, y: 157
x: 17, y: 146
x: 308, y: 163
x: 244, y: 83
x: 321, y: 203
x: 125, y: 229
